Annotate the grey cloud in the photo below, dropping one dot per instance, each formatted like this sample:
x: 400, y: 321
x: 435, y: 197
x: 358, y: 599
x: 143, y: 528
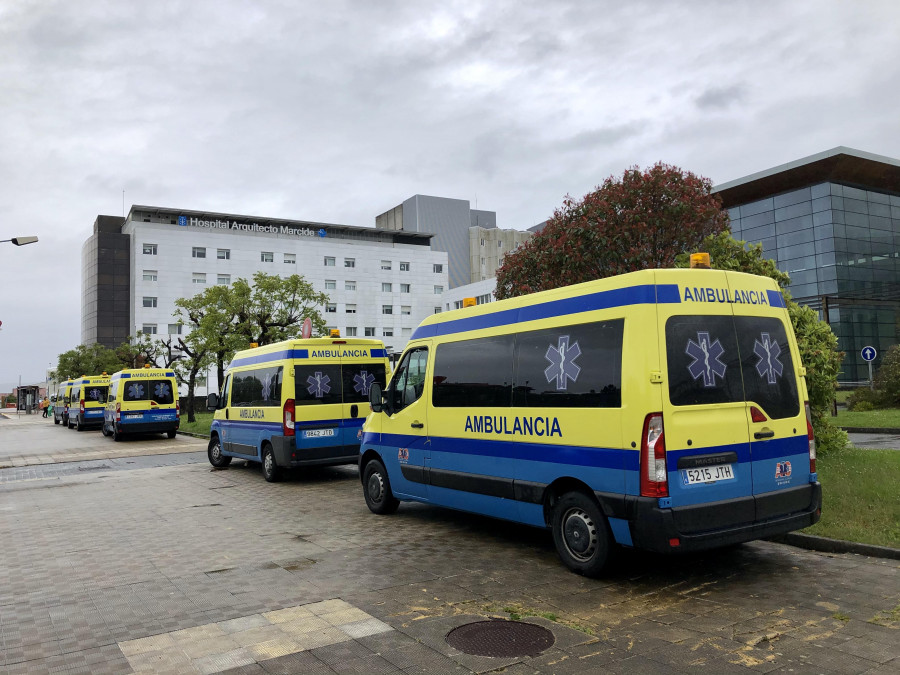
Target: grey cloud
x: 717, y: 98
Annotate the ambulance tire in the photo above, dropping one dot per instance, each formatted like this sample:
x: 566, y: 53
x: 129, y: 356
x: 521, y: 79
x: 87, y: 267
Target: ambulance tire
x: 581, y: 534
x: 104, y: 429
x: 78, y: 425
x: 55, y: 420
x: 117, y: 435
x: 377, y: 489
x: 214, y: 452
x: 171, y: 433
x: 269, y: 467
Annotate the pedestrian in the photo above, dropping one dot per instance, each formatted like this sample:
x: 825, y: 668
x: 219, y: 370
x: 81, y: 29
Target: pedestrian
x: 45, y: 405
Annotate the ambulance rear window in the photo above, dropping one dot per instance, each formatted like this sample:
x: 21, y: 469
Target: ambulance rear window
x: 159, y: 391
x: 725, y: 359
x: 95, y: 393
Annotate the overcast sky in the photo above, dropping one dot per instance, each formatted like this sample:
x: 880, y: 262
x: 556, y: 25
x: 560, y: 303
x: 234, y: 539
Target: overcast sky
x: 336, y: 111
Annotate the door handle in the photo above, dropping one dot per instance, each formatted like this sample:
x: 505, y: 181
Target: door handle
x: 764, y: 434
x: 226, y: 413
x: 417, y: 425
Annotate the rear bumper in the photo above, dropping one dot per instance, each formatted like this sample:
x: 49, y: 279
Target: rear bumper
x: 147, y: 427
x: 716, y: 524
x: 287, y: 455
x: 90, y: 421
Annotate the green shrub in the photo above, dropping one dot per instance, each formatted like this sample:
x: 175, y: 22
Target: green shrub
x: 865, y: 397
x: 887, y: 377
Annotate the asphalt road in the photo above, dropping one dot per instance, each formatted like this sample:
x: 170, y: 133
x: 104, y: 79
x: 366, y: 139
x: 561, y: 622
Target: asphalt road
x: 162, y: 564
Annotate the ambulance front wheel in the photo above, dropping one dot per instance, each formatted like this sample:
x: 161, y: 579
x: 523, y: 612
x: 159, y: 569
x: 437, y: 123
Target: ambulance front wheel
x: 377, y: 489
x: 580, y: 534
x: 214, y: 452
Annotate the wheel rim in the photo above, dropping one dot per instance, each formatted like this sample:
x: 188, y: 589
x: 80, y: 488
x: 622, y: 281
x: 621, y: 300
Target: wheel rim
x: 216, y: 452
x: 376, y: 487
x: 269, y: 463
x: 579, y: 534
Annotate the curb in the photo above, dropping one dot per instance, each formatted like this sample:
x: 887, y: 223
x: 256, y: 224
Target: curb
x: 872, y: 430
x: 193, y: 435
x: 812, y: 542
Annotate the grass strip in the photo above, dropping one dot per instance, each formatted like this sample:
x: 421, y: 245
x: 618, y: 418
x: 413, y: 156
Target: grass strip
x: 889, y: 418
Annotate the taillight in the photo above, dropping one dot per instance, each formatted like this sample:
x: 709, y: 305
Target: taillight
x: 654, y: 477
x: 81, y: 405
x: 177, y: 409
x: 812, y: 439
x: 287, y: 424
x: 118, y: 412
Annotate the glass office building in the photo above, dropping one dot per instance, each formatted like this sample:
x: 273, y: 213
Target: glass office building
x: 832, y: 222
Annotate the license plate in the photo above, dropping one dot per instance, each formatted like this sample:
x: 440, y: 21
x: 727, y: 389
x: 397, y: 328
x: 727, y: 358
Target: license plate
x: 318, y: 433
x: 707, y: 474
x: 133, y: 417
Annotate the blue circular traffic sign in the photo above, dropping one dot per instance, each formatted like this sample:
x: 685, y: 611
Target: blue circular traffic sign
x: 868, y: 353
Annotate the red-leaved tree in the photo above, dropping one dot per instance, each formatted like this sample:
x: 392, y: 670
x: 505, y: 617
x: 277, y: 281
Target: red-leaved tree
x: 641, y: 220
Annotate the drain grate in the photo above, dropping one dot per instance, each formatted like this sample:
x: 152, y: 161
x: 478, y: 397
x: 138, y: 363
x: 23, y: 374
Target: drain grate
x: 501, y: 638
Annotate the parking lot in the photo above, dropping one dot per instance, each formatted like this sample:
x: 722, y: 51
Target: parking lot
x: 145, y: 559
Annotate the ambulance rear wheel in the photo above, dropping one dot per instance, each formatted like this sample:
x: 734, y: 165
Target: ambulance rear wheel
x: 170, y: 433
x: 377, y: 489
x: 78, y: 425
x: 581, y: 534
x: 55, y: 420
x: 116, y: 434
x: 269, y: 468
x: 214, y: 452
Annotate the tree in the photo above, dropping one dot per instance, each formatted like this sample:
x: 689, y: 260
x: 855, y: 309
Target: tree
x: 88, y: 360
x: 643, y: 219
x: 194, y: 346
x: 143, y: 349
x: 273, y: 308
x: 816, y: 341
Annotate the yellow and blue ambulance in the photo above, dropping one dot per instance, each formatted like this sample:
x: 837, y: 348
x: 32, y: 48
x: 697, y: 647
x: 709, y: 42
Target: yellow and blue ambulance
x: 664, y: 410
x: 61, y: 404
x: 141, y: 401
x: 87, y: 398
x: 296, y: 403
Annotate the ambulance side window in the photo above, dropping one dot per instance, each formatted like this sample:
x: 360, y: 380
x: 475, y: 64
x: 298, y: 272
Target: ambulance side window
x: 226, y: 388
x: 260, y: 387
x: 474, y: 373
x: 409, y: 382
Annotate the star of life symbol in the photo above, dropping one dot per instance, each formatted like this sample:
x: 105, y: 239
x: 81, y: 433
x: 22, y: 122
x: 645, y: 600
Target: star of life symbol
x: 706, y: 362
x: 136, y: 391
x: 363, y: 382
x: 562, y: 366
x: 266, y: 387
x: 161, y: 390
x: 768, y: 365
x: 318, y: 384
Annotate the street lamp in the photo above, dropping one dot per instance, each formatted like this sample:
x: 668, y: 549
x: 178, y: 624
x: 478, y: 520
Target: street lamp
x: 20, y: 241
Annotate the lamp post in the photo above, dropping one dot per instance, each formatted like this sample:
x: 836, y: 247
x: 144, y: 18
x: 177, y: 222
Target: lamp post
x: 20, y: 241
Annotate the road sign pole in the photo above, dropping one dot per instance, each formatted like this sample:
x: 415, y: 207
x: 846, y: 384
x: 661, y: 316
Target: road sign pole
x: 871, y: 381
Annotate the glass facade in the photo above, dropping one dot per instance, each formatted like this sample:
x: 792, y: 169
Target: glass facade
x: 838, y: 242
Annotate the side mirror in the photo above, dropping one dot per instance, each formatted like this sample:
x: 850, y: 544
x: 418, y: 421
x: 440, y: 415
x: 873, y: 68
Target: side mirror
x: 212, y: 402
x: 375, y: 398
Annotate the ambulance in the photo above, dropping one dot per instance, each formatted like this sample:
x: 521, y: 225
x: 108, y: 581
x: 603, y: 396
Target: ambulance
x: 61, y: 405
x: 296, y: 403
x: 142, y: 400
x: 664, y: 410
x: 87, y: 399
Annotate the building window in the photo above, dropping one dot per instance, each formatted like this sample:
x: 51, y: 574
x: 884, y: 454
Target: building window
x: 349, y: 262
x: 438, y: 268
x: 350, y: 309
x: 385, y: 288
x: 198, y: 278
x: 330, y: 284
x: 149, y: 329
x: 406, y: 332
x: 499, y: 244
x: 149, y: 301
x: 351, y: 331
x: 437, y: 310
x: 149, y: 249
x: 349, y: 285
x: 404, y: 267
x: 223, y: 254
x: 290, y: 258
x: 388, y: 332
x: 387, y: 309
x: 266, y: 256
x: 149, y: 275
x: 370, y: 331
x: 174, y: 329
x: 330, y: 308
x: 223, y: 279
x: 406, y: 309
x: 385, y: 264
x: 404, y: 288
x: 438, y: 290
x: 198, y: 252
x: 329, y: 261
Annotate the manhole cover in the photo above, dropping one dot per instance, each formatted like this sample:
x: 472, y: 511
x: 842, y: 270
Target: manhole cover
x: 500, y: 638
